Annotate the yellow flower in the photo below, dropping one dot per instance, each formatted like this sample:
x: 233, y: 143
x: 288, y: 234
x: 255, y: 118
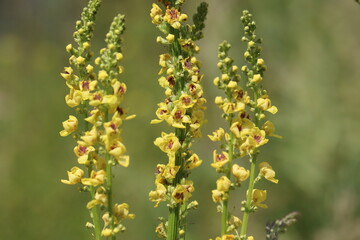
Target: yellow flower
x: 159, y: 194
x: 162, y: 113
x: 70, y: 126
x: 193, y: 162
x: 217, y: 135
x: 170, y: 38
x: 112, y: 127
x: 195, y: 90
x: 267, y: 172
x: 164, y: 58
x: 197, y: 120
x: 188, y: 45
x: 170, y: 172
x: 218, y: 196
x: 82, y: 152
x: 256, y: 78
x: 220, y: 160
x: 191, y: 65
x: 112, y: 101
x: 232, y: 84
x: 174, y: 17
x: 240, y: 173
x: 223, y: 184
x: 178, y: 117
x: 167, y: 82
x: 168, y: 143
x: 67, y: 74
x: 107, y: 232
x: 269, y: 129
x: 156, y: 14
x: 240, y: 95
x: 102, y: 75
x: 73, y: 99
x: 219, y: 101
x: 93, y: 116
x: 182, y: 192
x: 264, y: 103
x: 119, y: 88
x: 122, y: 211
x: 86, y: 87
x: 228, y: 237
x: 89, y: 138
x: 117, y: 150
x: 96, y: 178
x: 185, y: 101
x: 95, y: 98
x: 80, y: 60
x: 242, y: 127
x: 74, y: 175
x: 255, y: 139
x: 258, y: 196
x: 250, y: 238
x: 232, y: 107
x: 99, y: 199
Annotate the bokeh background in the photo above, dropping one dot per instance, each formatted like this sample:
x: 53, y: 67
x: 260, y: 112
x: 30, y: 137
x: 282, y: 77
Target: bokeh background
x: 312, y: 51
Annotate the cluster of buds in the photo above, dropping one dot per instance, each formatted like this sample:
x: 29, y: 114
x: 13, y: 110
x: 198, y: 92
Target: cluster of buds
x: 246, y: 134
x: 182, y: 109
x: 96, y: 97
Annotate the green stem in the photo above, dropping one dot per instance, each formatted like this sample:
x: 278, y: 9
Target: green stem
x: 94, y: 210
x: 174, y: 212
x: 224, y: 217
x: 248, y: 198
x: 109, y: 160
x: 225, y: 211
x: 109, y: 190
x: 173, y: 221
x: 95, y: 216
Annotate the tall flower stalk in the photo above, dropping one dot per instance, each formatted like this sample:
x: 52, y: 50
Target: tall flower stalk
x: 182, y: 109
x: 96, y: 97
x: 244, y: 111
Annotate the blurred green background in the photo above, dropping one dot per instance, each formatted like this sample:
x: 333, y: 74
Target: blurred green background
x: 312, y: 51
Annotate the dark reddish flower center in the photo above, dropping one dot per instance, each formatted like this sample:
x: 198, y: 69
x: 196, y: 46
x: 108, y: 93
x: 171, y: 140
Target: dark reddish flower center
x: 173, y: 14
x: 97, y: 97
x: 121, y: 89
x: 187, y: 64
x: 179, y: 196
x: 120, y: 111
x: 170, y: 144
x: 186, y: 100
x: 178, y: 114
x: 85, y: 85
x: 220, y: 157
x: 82, y: 150
x: 240, y: 94
x: 113, y: 126
x: 171, y: 80
x: 257, y: 138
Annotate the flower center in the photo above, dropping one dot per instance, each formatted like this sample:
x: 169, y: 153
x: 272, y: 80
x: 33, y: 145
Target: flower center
x: 257, y: 138
x: 178, y: 114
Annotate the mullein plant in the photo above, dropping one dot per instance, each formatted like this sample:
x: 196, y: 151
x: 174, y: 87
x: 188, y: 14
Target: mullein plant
x: 182, y: 109
x: 96, y: 96
x: 244, y: 111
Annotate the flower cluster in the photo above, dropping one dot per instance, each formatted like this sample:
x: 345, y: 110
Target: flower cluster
x: 244, y: 110
x: 96, y: 97
x: 182, y: 109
